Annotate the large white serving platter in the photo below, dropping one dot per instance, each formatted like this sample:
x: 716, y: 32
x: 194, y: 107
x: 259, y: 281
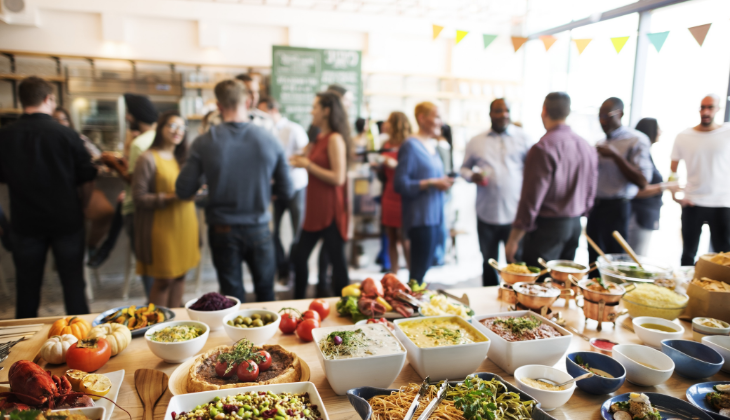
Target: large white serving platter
x: 187, y: 402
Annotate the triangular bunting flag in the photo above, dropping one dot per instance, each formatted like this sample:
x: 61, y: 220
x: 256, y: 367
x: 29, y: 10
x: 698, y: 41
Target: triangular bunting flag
x: 700, y: 32
x: 619, y: 42
x: 518, y: 41
x: 437, y: 30
x: 488, y: 39
x: 657, y: 39
x: 460, y: 35
x: 548, y: 40
x: 582, y: 44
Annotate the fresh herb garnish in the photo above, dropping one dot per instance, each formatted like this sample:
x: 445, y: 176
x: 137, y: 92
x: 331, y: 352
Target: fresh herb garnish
x: 484, y: 400
x: 242, y: 351
x: 21, y: 415
x: 445, y: 333
x: 519, y: 324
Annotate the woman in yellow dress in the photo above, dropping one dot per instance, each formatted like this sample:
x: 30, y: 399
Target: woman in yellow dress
x: 166, y: 228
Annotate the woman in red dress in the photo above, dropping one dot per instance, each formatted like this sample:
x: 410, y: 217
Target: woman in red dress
x: 325, y: 216
x: 398, y: 129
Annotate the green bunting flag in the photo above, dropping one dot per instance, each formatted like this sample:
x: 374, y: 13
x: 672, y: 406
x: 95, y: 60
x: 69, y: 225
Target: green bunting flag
x: 488, y: 39
x: 657, y: 39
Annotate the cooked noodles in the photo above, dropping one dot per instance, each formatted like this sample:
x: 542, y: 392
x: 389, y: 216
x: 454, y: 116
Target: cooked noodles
x: 480, y: 395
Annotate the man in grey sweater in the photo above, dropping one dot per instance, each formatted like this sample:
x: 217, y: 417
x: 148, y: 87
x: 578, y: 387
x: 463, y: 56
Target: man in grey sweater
x: 239, y: 161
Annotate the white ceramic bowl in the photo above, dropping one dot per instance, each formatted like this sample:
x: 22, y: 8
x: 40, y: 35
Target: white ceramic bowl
x: 652, y: 337
x: 721, y: 344
x: 630, y: 354
x: 180, y: 351
x: 463, y: 359
x: 699, y: 331
x: 187, y: 402
x: 509, y: 355
x: 376, y: 371
x: 214, y: 319
x: 258, y: 335
x: 550, y: 400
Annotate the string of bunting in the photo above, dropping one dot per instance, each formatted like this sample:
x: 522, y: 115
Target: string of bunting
x: 657, y: 39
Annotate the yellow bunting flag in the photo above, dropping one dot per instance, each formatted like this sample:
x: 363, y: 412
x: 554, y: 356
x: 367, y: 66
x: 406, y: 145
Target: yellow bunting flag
x: 437, y: 30
x: 619, y: 42
x: 582, y: 44
x: 700, y: 32
x: 460, y: 35
x: 518, y: 41
x: 548, y: 40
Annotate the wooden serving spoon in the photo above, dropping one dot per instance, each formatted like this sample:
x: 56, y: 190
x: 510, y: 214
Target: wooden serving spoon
x: 625, y: 245
x: 151, y: 385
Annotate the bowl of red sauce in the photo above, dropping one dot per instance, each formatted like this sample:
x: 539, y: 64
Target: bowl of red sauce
x: 211, y: 308
x: 603, y: 346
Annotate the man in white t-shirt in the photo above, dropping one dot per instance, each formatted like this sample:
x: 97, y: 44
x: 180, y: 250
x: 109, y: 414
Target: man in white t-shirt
x: 293, y: 139
x: 705, y: 150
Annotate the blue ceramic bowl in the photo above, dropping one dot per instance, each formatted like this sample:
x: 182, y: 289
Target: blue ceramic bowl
x: 669, y: 407
x: 691, y: 359
x: 359, y: 397
x: 596, y: 385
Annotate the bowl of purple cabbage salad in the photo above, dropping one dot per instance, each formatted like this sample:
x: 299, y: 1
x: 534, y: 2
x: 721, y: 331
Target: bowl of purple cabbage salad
x: 211, y: 308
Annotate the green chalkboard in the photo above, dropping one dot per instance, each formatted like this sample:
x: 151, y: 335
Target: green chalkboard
x: 299, y: 73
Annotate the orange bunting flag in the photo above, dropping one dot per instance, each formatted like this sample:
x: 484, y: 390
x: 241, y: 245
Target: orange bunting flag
x: 460, y: 35
x: 619, y: 42
x: 437, y: 30
x: 548, y: 40
x: 582, y: 44
x: 700, y: 32
x: 518, y: 41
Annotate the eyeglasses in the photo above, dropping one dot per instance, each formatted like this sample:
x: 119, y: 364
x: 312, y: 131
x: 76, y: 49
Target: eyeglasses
x: 178, y: 127
x: 707, y: 107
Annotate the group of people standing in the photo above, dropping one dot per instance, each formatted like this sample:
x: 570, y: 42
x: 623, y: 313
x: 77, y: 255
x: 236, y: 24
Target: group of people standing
x: 530, y: 197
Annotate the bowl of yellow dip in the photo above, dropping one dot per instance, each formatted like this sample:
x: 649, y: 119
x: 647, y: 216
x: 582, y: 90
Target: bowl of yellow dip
x: 442, y: 347
x: 177, y: 341
x: 656, y: 301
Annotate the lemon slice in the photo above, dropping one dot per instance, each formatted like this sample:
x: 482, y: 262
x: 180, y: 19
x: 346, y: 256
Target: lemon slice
x: 75, y: 376
x: 95, y: 385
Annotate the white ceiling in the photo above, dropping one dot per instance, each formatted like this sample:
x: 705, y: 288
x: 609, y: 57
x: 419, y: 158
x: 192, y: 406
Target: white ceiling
x: 484, y: 11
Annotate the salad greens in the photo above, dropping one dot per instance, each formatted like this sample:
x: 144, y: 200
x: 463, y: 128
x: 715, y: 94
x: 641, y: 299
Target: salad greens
x: 347, y: 306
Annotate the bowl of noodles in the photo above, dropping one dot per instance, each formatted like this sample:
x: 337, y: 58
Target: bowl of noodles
x: 517, y: 272
x: 653, y: 300
x: 392, y: 404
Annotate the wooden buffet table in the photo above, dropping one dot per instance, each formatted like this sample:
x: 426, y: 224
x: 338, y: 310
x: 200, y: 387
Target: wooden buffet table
x: 483, y: 300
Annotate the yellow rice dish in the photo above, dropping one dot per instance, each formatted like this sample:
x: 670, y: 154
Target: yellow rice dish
x: 517, y: 269
x: 652, y: 300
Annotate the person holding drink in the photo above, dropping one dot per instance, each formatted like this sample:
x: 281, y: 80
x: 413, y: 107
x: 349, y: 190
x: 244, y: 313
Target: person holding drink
x: 495, y: 161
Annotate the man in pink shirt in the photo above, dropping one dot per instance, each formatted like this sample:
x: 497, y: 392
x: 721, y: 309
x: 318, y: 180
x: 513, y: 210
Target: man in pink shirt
x: 559, y: 186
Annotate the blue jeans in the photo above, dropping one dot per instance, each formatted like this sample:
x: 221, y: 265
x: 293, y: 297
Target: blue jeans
x: 231, y: 246
x: 295, y: 205
x: 424, y: 240
x: 29, y: 256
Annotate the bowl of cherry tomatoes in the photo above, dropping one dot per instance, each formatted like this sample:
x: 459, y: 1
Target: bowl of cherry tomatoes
x: 255, y: 325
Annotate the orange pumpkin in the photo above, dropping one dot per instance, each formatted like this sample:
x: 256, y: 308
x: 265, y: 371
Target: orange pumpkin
x: 76, y: 326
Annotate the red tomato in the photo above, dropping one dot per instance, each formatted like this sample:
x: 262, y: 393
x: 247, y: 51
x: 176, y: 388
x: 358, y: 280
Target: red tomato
x: 266, y: 363
x: 248, y: 371
x: 221, y: 367
x: 88, y: 355
x: 321, y: 306
x: 311, y: 315
x: 304, y: 330
x: 288, y: 323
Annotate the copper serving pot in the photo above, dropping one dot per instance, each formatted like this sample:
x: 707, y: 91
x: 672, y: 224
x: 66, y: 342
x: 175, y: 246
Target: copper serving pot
x: 560, y: 269
x: 594, y: 296
x: 537, y: 296
x: 600, y: 311
x: 512, y: 278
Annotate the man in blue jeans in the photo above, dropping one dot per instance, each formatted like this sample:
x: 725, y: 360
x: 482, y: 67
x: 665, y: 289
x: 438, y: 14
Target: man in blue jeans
x: 239, y: 161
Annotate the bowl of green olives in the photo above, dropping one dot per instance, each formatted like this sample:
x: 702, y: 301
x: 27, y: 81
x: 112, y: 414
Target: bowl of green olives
x: 255, y: 325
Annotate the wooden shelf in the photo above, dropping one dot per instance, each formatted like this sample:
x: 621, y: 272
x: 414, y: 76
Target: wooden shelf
x: 11, y: 111
x: 194, y: 117
x: 441, y: 76
x: 16, y: 76
x: 199, y: 85
x: 438, y: 95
